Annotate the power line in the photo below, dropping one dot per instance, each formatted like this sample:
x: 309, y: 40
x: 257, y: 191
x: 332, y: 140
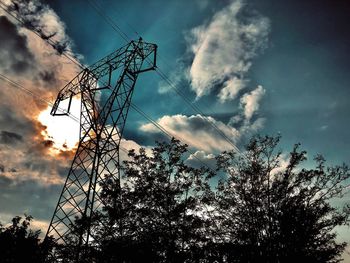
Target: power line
x: 37, y: 32
x: 109, y: 21
x: 22, y: 88
x: 198, y: 110
x: 34, y: 95
x: 163, y: 76
x: 129, y: 25
x: 19, y: 86
x: 164, y: 131
x: 191, y: 104
x: 126, y: 38
x: 49, y: 41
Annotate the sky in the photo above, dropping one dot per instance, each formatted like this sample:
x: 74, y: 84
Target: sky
x: 250, y: 66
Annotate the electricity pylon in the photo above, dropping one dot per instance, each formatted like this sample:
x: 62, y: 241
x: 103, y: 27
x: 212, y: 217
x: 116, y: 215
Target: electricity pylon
x: 102, y: 122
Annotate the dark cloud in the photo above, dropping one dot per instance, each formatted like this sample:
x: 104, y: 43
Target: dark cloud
x: 28, y: 196
x: 30, y: 13
x: 9, y: 138
x: 130, y: 133
x: 15, y: 56
x: 48, y: 77
x: 31, y: 173
x: 48, y: 143
x: 12, y: 121
x: 63, y: 171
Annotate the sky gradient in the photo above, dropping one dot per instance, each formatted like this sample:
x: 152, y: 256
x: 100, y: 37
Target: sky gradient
x: 267, y: 67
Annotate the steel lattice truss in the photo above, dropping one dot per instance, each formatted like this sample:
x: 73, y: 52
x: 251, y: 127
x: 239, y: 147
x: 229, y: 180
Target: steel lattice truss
x: 101, y: 129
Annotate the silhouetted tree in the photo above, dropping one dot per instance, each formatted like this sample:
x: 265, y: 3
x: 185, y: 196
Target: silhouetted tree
x: 274, y: 213
x: 155, y: 210
x: 266, y: 208
x: 18, y: 243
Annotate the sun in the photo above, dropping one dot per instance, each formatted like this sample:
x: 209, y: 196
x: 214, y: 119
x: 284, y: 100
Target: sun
x: 62, y: 130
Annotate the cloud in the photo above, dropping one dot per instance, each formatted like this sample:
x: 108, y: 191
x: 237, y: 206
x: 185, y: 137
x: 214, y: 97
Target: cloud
x: 283, y: 162
x: 201, y: 158
x: 230, y: 88
x: 127, y: 145
x: 27, y: 196
x: 30, y: 61
x: 28, y: 53
x: 196, y: 131
x: 223, y: 50
x: 15, y: 56
x: 13, y: 122
x: 250, y: 101
x: 9, y: 137
x: 43, y: 20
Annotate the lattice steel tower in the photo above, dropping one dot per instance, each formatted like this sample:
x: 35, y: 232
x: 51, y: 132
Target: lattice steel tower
x: 105, y: 89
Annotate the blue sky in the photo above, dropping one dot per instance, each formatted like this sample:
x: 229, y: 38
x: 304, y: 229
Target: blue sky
x: 252, y: 67
x: 303, y: 68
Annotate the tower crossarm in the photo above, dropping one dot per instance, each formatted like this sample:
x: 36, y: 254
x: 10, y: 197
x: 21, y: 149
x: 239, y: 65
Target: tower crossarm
x: 106, y: 66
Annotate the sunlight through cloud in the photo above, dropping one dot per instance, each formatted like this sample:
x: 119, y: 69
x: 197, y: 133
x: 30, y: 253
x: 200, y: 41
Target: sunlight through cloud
x: 63, y: 131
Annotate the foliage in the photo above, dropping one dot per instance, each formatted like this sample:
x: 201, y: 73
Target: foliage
x: 267, y: 207
x: 18, y: 243
x: 155, y: 209
x: 271, y: 213
x: 163, y: 210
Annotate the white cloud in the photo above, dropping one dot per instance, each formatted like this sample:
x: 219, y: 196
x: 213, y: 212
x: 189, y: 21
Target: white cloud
x: 223, y: 50
x: 128, y: 145
x: 283, y: 164
x: 230, y: 88
x: 201, y: 158
x: 197, y: 131
x: 250, y: 101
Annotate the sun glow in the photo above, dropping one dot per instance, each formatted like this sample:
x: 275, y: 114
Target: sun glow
x: 63, y: 131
